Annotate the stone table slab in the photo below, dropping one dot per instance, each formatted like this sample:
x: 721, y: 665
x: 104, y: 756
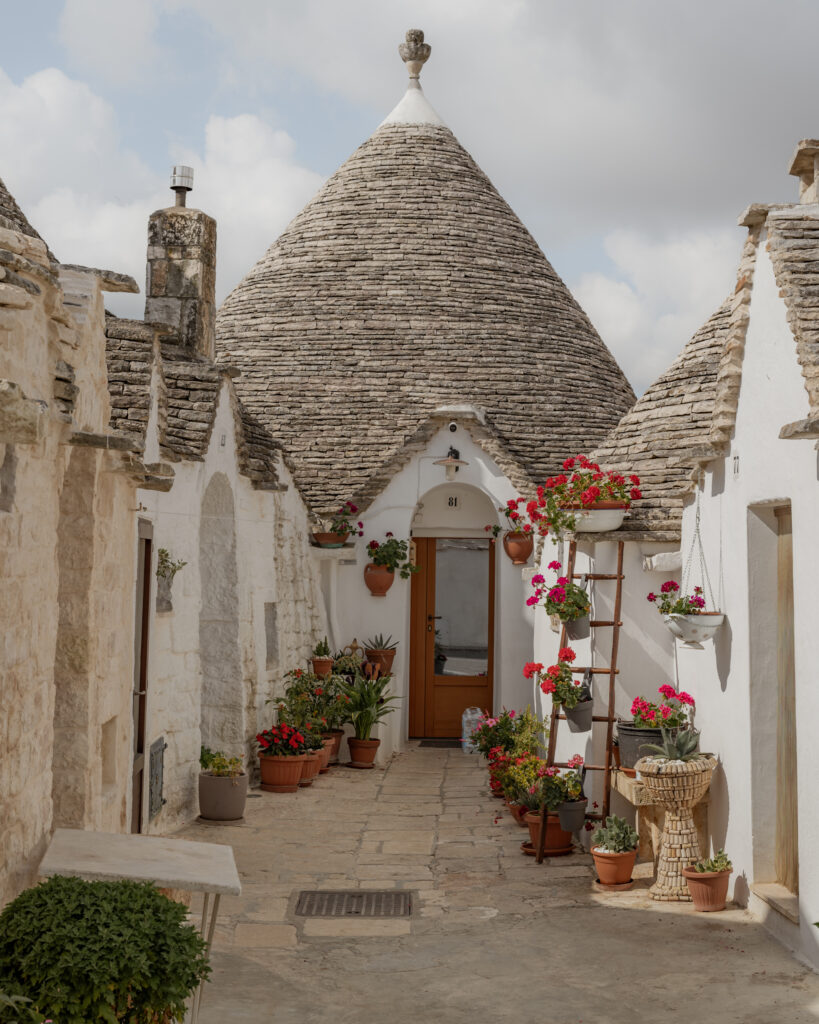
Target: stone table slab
x: 169, y: 863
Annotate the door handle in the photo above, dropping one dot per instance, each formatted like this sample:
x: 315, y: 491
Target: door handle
x: 434, y: 616
x: 139, y: 693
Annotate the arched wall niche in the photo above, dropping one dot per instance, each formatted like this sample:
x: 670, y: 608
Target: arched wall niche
x: 454, y: 510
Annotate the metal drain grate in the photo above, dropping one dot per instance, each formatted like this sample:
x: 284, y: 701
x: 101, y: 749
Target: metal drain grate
x: 355, y: 903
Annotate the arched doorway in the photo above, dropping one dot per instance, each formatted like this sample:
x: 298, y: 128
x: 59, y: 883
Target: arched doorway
x: 222, y: 718
x: 452, y: 620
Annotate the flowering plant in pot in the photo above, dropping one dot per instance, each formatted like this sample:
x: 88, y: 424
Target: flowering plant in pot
x: 385, y: 558
x: 568, y: 601
x: 222, y: 786
x: 380, y: 650
x: 708, y: 882
x: 566, y: 690
x: 685, y: 614
x: 614, y: 850
x: 572, y: 811
x: 282, y: 753
x: 590, y: 499
x: 322, y: 660
x: 338, y: 527
x: 544, y: 796
x: 519, y: 537
x: 495, y: 733
x: 369, y: 703
x: 648, y: 721
x: 521, y: 772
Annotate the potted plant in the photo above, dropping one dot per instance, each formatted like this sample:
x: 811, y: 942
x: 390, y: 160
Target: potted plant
x: 685, y: 615
x: 314, y: 753
x: 574, y: 695
x: 676, y: 775
x: 590, y: 500
x: 519, y: 537
x: 542, y: 789
x: 568, y: 601
x: 369, y: 703
x: 282, y: 753
x: 322, y: 660
x: 385, y: 558
x: 222, y: 786
x: 100, y: 951
x: 380, y: 650
x: 338, y: 527
x: 614, y: 850
x: 708, y: 882
x: 648, y: 721
x: 572, y: 812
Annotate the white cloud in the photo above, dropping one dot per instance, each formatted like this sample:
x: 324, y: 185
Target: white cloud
x: 90, y: 197
x: 661, y: 291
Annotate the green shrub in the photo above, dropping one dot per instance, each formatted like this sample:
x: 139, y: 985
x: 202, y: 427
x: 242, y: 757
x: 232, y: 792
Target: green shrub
x: 84, y: 952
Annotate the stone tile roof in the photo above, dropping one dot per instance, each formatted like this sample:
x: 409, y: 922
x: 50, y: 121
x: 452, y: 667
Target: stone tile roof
x: 660, y: 435
x: 13, y: 218
x: 129, y: 352
x: 406, y: 284
x: 191, y: 393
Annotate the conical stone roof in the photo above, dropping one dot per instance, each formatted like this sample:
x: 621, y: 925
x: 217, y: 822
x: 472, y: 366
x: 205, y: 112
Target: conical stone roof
x: 405, y: 285
x: 11, y: 216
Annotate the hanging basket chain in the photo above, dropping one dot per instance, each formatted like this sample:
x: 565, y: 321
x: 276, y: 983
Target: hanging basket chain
x: 696, y: 544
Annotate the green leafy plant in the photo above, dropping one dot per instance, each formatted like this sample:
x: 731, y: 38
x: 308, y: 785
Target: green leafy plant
x: 684, y: 746
x: 369, y: 702
x: 565, y: 599
x: 380, y: 643
x: 19, y: 1010
x: 719, y: 862
x: 342, y: 521
x: 99, y: 951
x: 166, y: 567
x: 392, y: 554
x: 214, y: 762
x: 322, y: 649
x: 616, y: 836
x: 672, y: 602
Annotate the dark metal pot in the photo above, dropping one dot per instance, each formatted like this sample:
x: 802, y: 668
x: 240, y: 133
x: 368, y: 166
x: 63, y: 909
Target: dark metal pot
x: 572, y: 814
x: 580, y: 716
x: 578, y: 629
x: 632, y: 739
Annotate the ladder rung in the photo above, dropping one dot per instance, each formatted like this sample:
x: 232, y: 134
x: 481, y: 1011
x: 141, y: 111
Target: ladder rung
x: 590, y: 767
x: 595, y: 815
x: 597, y: 671
x: 598, y: 576
x: 595, y: 718
x: 601, y: 622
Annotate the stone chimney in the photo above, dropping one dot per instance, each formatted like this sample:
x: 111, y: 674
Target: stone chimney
x: 180, y: 288
x: 805, y: 165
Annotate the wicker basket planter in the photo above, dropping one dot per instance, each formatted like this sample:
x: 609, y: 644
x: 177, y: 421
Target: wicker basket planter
x: 677, y: 786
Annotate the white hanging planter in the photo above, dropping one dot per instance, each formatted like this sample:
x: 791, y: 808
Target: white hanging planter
x: 600, y: 519
x: 694, y: 629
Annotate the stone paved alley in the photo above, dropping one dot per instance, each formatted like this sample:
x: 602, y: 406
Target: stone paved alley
x: 493, y: 937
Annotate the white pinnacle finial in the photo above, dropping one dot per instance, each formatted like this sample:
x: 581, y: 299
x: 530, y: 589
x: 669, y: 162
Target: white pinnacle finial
x: 414, y: 53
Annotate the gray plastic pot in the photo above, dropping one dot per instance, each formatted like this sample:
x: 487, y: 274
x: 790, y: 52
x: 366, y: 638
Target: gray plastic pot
x: 222, y: 798
x: 572, y: 814
x: 580, y: 716
x: 578, y: 629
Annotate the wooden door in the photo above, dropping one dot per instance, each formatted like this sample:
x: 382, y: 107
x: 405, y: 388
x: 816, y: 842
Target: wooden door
x: 452, y: 632
x: 140, y: 692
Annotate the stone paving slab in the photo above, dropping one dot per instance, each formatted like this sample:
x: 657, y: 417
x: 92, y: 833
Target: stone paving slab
x: 493, y: 936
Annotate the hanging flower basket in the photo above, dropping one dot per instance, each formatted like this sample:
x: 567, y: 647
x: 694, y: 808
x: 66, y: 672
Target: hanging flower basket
x: 694, y: 629
x: 580, y: 716
x: 600, y: 517
x: 566, y: 600
x: 578, y: 629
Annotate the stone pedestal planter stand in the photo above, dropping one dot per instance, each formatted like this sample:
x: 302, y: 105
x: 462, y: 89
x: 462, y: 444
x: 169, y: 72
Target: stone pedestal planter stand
x: 677, y: 786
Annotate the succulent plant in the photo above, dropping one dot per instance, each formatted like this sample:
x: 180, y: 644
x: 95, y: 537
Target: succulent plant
x: 322, y: 649
x: 684, y: 746
x: 379, y: 643
x: 719, y: 862
x: 616, y: 836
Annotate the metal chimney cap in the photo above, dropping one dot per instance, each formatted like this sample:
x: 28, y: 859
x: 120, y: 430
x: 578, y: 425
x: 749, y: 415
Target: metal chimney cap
x: 182, y: 178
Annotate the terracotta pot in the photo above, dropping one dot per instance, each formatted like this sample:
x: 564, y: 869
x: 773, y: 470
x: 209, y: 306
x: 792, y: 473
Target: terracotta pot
x: 336, y: 735
x: 519, y: 547
x: 378, y: 578
x: 518, y: 812
x: 281, y: 774
x: 556, y: 842
x: 708, y: 889
x: 614, y: 868
x: 222, y: 798
x: 380, y: 657
x: 322, y: 666
x: 310, y: 768
x: 330, y: 540
x: 362, y: 752
x: 326, y: 753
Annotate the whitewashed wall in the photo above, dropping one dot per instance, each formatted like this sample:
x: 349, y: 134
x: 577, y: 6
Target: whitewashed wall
x: 357, y: 614
x: 770, y: 472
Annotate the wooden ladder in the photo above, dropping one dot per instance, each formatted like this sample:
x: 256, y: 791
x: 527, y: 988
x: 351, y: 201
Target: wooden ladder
x: 611, y: 671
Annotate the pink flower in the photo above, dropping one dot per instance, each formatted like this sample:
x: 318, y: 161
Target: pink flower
x: 669, y: 586
x: 685, y: 698
x: 554, y: 565
x: 530, y: 601
x: 576, y: 761
x: 665, y: 710
x: 511, y: 714
x: 651, y: 597
x: 667, y: 691
x: 562, y: 581
x: 538, y: 579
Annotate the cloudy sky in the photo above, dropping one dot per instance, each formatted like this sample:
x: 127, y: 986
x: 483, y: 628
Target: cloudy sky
x: 627, y: 134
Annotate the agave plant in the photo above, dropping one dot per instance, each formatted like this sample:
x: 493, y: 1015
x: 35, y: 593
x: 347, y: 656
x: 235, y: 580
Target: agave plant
x: 380, y: 643
x: 684, y: 746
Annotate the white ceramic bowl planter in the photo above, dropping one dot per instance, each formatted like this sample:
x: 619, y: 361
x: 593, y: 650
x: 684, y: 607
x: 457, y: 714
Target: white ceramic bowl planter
x: 693, y: 629
x: 598, y: 520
